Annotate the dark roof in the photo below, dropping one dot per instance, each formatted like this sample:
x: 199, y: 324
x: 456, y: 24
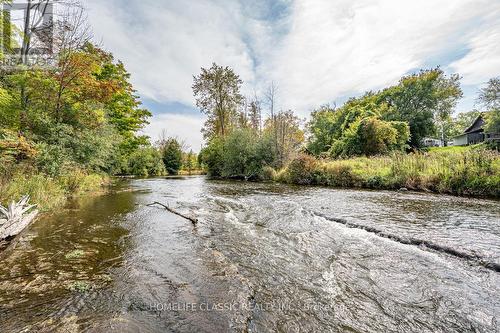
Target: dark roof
x: 476, y: 126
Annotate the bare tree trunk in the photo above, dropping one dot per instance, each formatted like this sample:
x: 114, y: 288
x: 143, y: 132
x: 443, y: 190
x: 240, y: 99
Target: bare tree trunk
x: 26, y: 34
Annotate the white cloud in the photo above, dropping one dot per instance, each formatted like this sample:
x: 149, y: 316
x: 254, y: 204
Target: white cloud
x: 164, y: 43
x: 482, y: 62
x: 185, y: 127
x: 319, y: 51
x: 344, y: 47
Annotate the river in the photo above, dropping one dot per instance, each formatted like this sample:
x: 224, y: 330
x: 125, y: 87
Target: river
x: 262, y: 258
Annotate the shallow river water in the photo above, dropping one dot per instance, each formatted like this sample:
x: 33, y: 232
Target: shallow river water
x: 262, y: 258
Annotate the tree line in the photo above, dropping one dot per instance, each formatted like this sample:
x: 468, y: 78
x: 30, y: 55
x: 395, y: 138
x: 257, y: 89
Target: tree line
x: 75, y: 115
x: 243, y: 143
x: 241, y: 140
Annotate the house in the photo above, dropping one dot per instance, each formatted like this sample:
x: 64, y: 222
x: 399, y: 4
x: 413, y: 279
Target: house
x: 475, y: 134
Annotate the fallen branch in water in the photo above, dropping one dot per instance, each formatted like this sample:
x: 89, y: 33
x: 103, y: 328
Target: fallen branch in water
x: 16, y: 217
x: 192, y: 219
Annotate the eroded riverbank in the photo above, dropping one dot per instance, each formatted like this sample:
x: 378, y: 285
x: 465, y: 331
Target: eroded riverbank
x: 261, y: 259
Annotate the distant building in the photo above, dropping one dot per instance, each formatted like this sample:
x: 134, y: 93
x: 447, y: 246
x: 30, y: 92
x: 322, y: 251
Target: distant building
x: 431, y: 142
x: 475, y: 134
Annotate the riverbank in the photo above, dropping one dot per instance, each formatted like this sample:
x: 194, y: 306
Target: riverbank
x: 473, y: 172
x: 49, y: 192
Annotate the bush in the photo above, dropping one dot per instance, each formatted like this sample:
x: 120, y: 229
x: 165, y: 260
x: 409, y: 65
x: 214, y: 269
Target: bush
x: 335, y: 174
x: 301, y: 170
x: 146, y: 161
x: 268, y: 173
x: 243, y: 154
x: 212, y: 157
x: 372, y: 136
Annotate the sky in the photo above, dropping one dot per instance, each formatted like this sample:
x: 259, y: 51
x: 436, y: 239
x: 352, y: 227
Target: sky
x: 316, y: 51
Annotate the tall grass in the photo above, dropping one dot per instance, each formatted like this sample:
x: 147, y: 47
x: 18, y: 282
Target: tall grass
x: 474, y: 172
x: 47, y: 192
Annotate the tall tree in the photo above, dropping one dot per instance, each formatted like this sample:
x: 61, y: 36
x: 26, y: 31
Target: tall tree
x: 255, y: 114
x: 285, y: 127
x: 422, y: 99
x: 489, y: 96
x: 172, y: 156
x: 217, y: 93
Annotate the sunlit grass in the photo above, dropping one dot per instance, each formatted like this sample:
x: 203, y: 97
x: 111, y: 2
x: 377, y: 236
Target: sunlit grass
x: 472, y: 171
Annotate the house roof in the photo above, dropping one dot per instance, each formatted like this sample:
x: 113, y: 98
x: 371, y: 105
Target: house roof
x: 476, y: 126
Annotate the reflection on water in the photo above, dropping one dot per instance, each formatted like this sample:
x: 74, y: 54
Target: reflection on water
x: 261, y: 259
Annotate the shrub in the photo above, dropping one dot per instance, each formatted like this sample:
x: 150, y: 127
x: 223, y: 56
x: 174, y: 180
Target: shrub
x: 268, y: 173
x: 301, y: 170
x: 337, y: 174
x: 145, y: 161
x: 172, y: 156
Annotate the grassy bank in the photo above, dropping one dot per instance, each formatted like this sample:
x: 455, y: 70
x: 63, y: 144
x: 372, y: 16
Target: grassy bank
x: 48, y: 192
x: 473, y: 172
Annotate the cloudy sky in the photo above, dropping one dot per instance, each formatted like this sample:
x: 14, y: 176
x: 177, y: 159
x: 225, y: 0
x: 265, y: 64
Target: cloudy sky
x: 317, y: 51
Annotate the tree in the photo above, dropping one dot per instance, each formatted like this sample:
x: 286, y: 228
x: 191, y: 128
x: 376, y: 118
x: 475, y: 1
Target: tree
x: 420, y: 99
x: 287, y: 135
x: 255, y: 114
x: 489, y: 96
x: 372, y: 136
x: 189, y: 161
x: 217, y: 93
x: 323, y: 129
x: 172, y: 156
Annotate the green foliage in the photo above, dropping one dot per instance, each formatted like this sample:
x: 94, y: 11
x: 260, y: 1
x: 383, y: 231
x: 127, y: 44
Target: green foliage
x: 492, y: 119
x: 460, y: 123
x: 217, y: 93
x: 385, y: 121
x: 356, y: 129
x: 301, y: 170
x: 145, y: 161
x: 242, y: 155
x: 324, y: 128
x: 421, y: 98
x: 71, y: 125
x: 472, y: 171
x: 212, y: 157
x: 172, y: 156
x: 489, y: 96
x: 372, y: 136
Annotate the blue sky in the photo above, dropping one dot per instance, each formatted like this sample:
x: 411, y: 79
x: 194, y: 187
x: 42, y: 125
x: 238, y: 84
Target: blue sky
x: 317, y: 51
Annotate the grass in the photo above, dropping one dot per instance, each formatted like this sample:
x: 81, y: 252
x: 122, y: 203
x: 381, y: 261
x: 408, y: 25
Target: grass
x: 48, y: 192
x: 474, y: 171
x: 455, y: 149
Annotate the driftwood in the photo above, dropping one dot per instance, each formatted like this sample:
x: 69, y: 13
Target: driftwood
x: 16, y: 217
x: 192, y: 219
